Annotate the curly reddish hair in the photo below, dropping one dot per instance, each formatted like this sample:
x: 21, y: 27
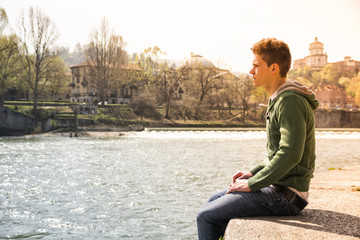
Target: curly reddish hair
x: 273, y: 51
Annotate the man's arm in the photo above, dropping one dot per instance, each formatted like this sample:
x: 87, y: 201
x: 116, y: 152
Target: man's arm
x: 291, y: 115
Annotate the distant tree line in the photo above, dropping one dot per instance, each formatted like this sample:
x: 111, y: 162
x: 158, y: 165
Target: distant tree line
x: 33, y: 67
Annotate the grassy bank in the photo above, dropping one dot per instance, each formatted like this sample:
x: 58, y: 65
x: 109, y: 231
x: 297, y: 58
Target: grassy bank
x: 123, y: 115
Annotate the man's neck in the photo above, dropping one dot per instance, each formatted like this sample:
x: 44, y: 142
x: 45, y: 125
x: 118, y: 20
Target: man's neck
x: 275, y: 84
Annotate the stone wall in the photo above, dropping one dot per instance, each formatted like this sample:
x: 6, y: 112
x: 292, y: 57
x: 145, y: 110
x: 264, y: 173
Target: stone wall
x: 14, y: 122
x: 337, y: 119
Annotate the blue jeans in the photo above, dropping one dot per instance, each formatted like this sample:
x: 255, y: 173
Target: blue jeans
x: 213, y: 218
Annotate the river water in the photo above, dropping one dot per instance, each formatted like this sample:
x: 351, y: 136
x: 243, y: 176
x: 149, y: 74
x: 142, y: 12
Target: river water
x: 145, y: 185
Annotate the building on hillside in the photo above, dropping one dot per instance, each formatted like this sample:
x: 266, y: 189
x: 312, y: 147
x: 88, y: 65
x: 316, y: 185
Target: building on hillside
x: 316, y: 59
x: 331, y: 97
x: 82, y: 91
x: 199, y: 61
x: 68, y: 77
x: 348, y: 65
x: 299, y: 63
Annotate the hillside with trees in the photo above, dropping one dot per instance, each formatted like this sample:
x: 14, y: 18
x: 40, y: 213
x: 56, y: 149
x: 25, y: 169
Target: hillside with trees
x: 33, y: 68
x: 344, y: 78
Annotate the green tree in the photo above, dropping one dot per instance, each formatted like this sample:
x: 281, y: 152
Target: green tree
x: 306, y: 72
x: 346, y: 83
x: 352, y: 87
x: 152, y: 62
x: 301, y: 74
x: 355, y: 83
x: 9, y: 58
x: 259, y: 96
x: 37, y: 35
x: 163, y: 80
x: 316, y: 78
x: 329, y: 75
x: 56, y: 79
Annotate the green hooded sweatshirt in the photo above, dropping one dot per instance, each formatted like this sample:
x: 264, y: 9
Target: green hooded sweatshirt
x: 290, y: 127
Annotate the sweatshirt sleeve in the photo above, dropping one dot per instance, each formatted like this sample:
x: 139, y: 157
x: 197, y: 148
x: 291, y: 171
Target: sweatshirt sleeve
x: 290, y: 115
x: 257, y: 168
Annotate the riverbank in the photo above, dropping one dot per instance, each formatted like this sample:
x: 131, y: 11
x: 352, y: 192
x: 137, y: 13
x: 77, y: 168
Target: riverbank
x: 333, y: 212
x: 16, y: 123
x: 116, y: 132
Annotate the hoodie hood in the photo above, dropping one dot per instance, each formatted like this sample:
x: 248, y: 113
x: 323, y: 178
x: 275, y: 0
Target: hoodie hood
x: 300, y: 89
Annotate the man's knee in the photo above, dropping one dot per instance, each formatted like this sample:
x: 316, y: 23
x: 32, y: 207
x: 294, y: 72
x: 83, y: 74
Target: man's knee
x: 204, y: 215
x: 201, y: 216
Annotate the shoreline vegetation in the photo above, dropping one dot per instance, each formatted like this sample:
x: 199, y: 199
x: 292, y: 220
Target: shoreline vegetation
x: 123, y: 119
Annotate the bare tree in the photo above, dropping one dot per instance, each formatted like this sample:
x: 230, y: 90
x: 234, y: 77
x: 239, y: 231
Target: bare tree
x: 37, y: 35
x: 171, y: 81
x: 226, y: 96
x: 106, y: 56
x: 200, y: 81
x: 244, y: 89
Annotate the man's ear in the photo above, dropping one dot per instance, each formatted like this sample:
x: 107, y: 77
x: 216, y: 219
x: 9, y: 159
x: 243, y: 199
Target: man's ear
x: 274, y: 68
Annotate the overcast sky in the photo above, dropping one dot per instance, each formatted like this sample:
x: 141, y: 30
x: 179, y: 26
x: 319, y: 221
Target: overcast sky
x: 221, y: 31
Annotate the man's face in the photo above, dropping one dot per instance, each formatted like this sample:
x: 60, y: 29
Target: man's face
x: 260, y: 72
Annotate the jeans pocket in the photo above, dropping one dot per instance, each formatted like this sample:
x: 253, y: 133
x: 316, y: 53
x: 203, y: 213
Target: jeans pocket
x: 282, y: 207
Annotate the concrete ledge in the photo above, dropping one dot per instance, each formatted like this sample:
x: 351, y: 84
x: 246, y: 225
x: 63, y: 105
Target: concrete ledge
x: 333, y: 213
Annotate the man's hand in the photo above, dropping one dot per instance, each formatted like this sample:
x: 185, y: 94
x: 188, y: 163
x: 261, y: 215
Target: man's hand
x: 240, y: 182
x: 241, y: 175
x: 241, y: 185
